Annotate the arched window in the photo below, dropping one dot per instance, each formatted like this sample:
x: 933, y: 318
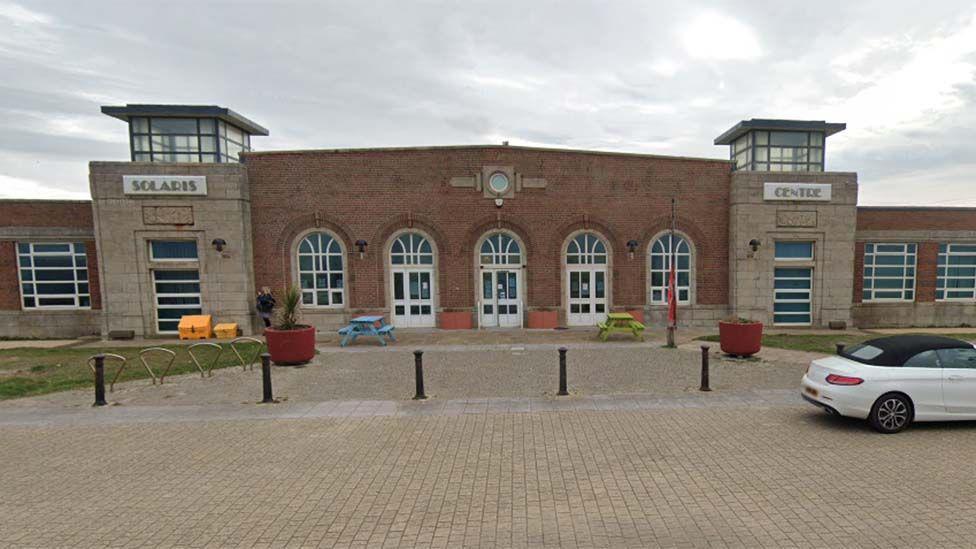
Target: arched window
x: 586, y: 249
x: 661, y: 268
x: 500, y: 249
x: 411, y: 249
x: 320, y: 270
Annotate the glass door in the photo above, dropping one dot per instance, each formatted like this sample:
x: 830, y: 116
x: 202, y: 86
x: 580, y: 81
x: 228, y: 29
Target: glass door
x: 587, y: 296
x: 177, y: 294
x: 413, y: 304
x: 500, y: 299
x: 791, y: 302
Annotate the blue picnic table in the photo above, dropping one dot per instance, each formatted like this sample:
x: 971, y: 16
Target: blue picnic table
x: 366, y: 326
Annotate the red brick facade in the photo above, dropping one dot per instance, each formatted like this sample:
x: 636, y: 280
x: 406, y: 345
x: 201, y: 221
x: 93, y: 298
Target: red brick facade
x: 927, y: 227
x: 27, y: 215
x: 370, y: 194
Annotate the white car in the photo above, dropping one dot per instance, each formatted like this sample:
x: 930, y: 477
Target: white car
x: 893, y: 381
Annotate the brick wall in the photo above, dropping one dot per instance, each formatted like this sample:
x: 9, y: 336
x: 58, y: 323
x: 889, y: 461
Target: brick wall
x: 927, y: 227
x: 369, y: 194
x: 43, y: 220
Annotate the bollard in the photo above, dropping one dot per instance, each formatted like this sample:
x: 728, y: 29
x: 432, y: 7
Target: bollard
x: 100, y: 380
x: 840, y: 347
x: 562, y: 372
x: 418, y: 364
x: 266, y: 378
x: 704, y: 369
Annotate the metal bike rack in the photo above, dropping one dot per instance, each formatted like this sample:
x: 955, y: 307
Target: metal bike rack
x: 205, y: 372
x: 240, y: 358
x: 142, y: 358
x: 91, y: 366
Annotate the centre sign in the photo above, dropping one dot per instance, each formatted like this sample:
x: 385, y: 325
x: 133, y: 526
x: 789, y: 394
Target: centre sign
x: 797, y: 191
x: 166, y: 185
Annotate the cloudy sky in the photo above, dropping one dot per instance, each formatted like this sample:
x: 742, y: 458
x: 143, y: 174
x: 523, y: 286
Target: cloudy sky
x: 637, y: 76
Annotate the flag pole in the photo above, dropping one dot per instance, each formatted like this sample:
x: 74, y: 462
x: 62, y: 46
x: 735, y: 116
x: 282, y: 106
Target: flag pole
x: 672, y: 283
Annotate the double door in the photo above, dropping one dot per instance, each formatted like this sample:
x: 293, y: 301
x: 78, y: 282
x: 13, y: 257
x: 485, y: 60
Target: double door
x: 413, y: 297
x: 587, y: 296
x: 500, y: 305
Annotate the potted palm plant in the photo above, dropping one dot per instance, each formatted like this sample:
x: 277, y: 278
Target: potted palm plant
x: 290, y: 342
x: 740, y: 336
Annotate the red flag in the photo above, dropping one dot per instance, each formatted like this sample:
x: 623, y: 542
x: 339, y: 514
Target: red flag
x: 672, y: 297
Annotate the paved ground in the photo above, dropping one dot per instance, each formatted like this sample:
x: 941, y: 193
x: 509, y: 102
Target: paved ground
x: 721, y: 475
x: 636, y: 457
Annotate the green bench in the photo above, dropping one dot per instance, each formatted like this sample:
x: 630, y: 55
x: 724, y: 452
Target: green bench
x: 620, y: 323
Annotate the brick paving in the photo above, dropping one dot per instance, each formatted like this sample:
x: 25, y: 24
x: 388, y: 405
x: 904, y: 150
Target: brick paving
x: 720, y: 475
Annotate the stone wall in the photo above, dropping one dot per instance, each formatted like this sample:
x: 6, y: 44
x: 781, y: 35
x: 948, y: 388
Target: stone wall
x: 830, y: 225
x: 125, y: 225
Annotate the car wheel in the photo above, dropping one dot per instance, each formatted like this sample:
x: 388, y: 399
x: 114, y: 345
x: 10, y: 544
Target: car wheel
x: 891, y: 413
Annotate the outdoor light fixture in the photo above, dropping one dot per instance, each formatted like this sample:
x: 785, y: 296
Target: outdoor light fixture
x: 631, y: 247
x: 361, y: 246
x: 754, y: 244
x: 219, y: 244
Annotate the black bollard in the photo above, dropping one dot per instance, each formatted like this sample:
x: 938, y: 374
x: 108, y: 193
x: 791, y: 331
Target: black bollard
x: 266, y: 378
x: 840, y: 347
x: 100, y: 381
x: 418, y: 364
x: 704, y: 369
x: 562, y: 372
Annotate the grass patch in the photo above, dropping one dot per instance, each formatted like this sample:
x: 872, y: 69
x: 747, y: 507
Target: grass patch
x: 29, y: 371
x: 821, y: 343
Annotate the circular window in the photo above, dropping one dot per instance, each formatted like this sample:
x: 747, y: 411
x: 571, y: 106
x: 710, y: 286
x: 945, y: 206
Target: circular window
x: 498, y: 183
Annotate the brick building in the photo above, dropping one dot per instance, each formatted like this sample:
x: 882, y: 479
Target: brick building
x: 473, y: 236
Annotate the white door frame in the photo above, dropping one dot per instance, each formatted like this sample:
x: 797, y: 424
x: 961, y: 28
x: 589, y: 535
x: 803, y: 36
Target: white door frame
x: 414, y: 315
x: 496, y: 319
x: 591, y: 303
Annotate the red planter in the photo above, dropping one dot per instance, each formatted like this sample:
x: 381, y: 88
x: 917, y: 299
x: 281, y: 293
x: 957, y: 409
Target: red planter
x: 454, y: 320
x: 740, y: 339
x: 291, y: 346
x: 542, y: 320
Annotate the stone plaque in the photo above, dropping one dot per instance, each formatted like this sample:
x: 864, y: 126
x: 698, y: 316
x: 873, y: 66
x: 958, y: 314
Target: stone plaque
x: 788, y: 218
x: 167, y: 215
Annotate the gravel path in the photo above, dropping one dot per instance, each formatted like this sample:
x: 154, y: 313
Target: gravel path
x: 456, y: 373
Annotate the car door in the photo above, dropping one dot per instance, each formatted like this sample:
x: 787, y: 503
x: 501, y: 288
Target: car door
x: 921, y: 378
x: 959, y: 381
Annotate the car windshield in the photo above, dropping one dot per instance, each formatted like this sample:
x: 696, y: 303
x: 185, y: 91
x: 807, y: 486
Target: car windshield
x: 863, y: 352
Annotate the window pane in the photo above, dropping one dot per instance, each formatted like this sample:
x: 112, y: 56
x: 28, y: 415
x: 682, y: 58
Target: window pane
x: 958, y: 358
x: 173, y: 250
x: 174, y: 125
x: 794, y: 250
x: 792, y: 139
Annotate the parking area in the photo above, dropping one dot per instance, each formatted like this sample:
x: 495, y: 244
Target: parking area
x: 717, y: 474
x: 636, y: 456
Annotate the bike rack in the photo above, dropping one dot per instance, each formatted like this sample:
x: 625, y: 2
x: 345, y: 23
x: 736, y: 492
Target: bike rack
x: 91, y: 366
x: 257, y: 353
x: 205, y: 372
x: 142, y: 358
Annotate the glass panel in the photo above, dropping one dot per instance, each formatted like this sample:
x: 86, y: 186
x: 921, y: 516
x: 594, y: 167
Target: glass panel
x: 139, y: 125
x: 486, y: 285
x: 792, y: 139
x: 173, y: 250
x: 174, y: 125
x: 794, y: 250
x: 207, y: 125
x: 958, y: 358
x: 398, y: 286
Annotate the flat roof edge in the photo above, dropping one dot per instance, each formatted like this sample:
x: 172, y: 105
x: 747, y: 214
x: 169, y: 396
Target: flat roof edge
x: 227, y: 115
x: 489, y: 146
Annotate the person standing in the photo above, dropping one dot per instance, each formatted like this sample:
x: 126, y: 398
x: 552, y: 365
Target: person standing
x: 265, y: 305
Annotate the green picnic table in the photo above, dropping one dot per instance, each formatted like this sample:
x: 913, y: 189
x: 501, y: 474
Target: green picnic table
x: 622, y: 323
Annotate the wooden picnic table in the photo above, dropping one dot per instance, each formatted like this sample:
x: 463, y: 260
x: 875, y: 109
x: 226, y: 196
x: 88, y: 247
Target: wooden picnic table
x: 620, y: 323
x: 375, y: 326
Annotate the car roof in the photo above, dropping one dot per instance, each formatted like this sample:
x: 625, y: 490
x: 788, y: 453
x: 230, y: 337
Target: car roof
x: 896, y: 350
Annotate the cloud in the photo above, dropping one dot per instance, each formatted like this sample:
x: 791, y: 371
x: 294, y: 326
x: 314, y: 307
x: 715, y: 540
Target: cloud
x: 715, y: 36
x: 16, y: 187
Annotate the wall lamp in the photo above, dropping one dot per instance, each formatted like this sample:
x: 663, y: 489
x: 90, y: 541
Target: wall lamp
x: 631, y: 248
x: 754, y: 244
x: 219, y: 244
x: 361, y: 246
